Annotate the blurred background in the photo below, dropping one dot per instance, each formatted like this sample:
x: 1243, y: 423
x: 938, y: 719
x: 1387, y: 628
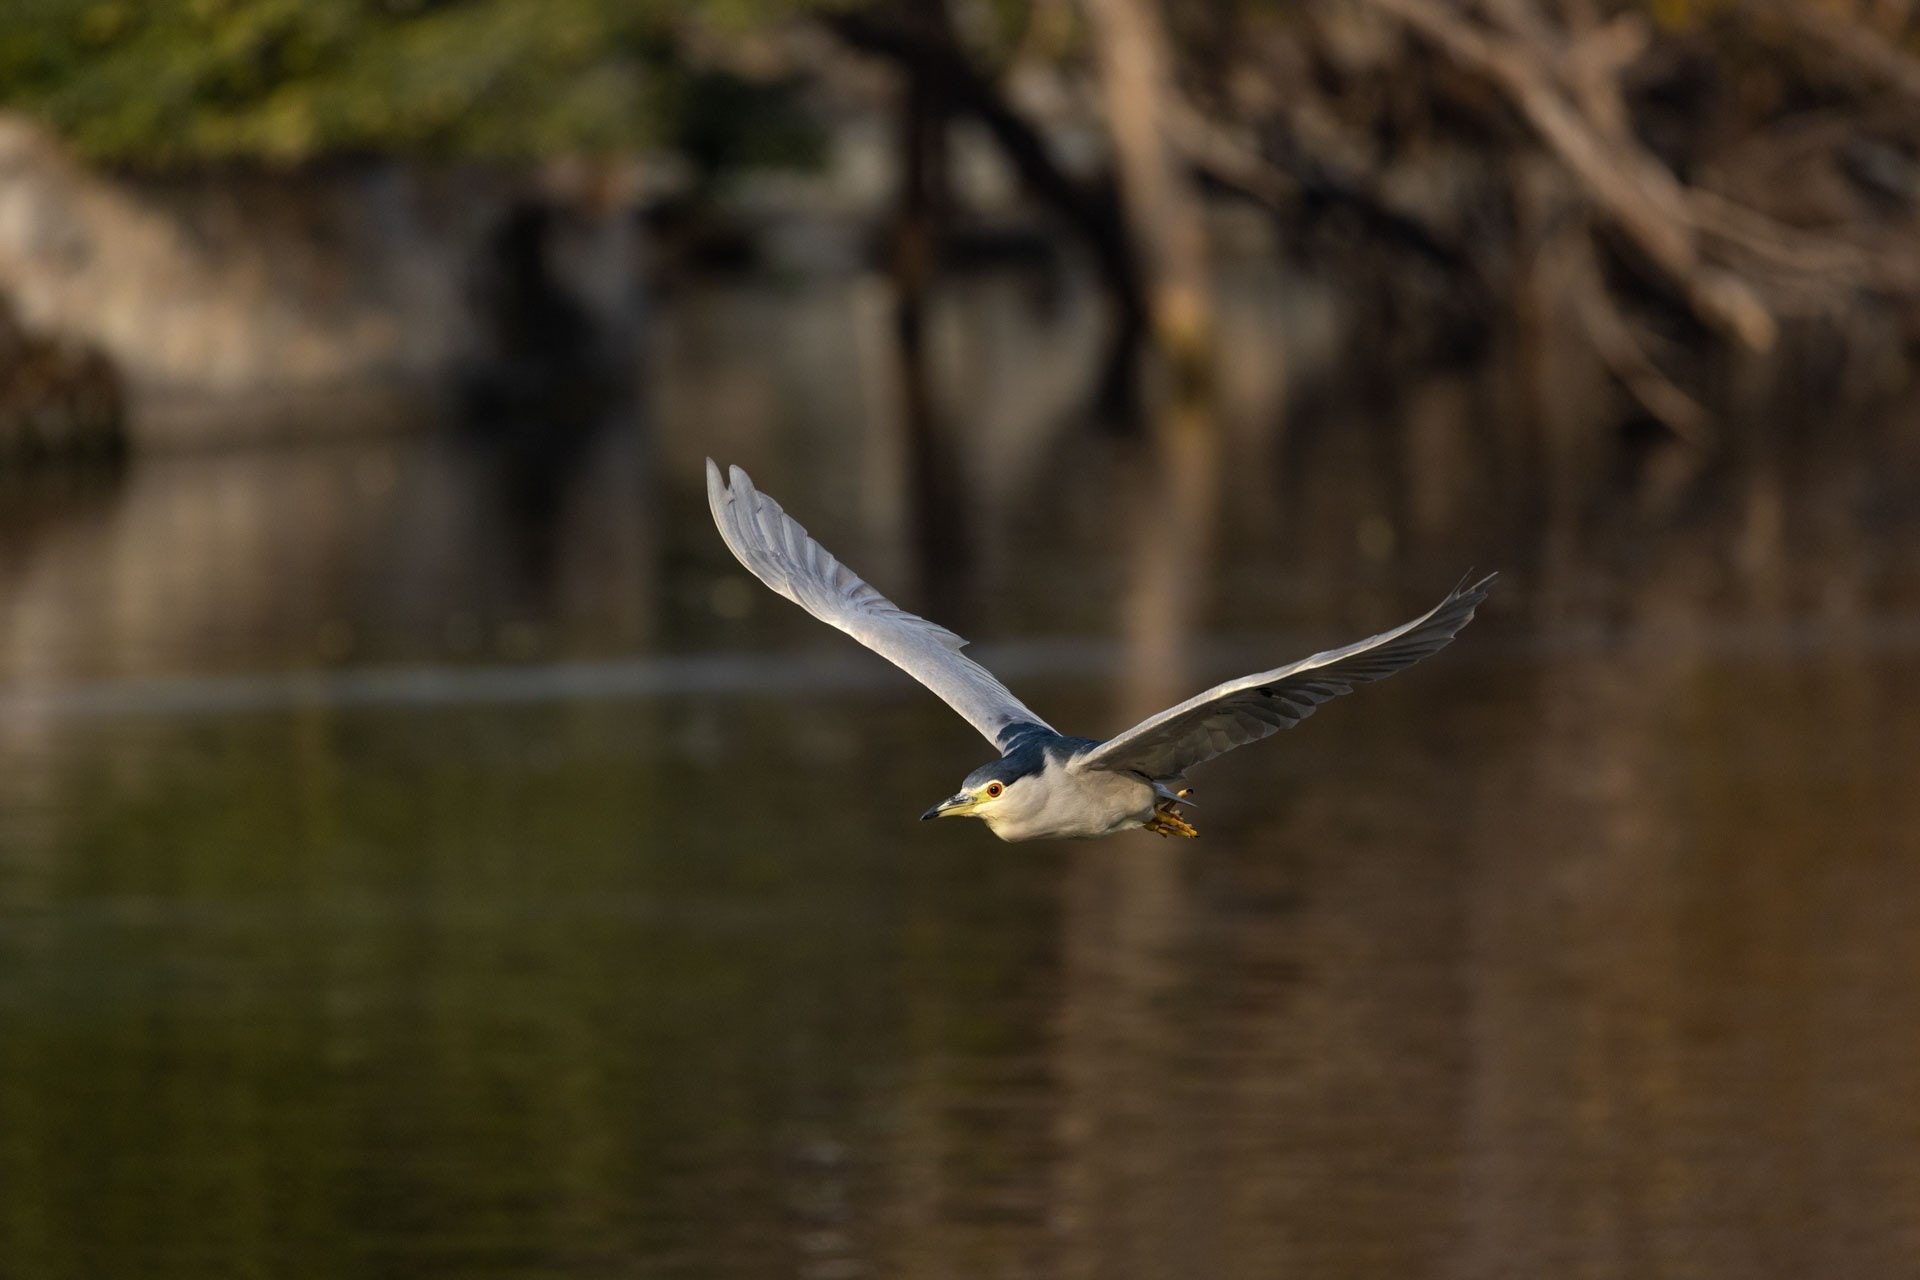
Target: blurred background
x: 424, y: 852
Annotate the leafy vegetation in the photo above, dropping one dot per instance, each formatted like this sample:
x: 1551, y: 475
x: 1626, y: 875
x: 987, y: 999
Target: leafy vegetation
x: 165, y: 83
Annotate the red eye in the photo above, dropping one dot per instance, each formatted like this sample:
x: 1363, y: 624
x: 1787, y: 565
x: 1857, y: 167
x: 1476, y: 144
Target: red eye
x: 993, y: 790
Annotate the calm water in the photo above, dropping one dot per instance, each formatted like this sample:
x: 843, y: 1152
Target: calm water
x: 393, y: 883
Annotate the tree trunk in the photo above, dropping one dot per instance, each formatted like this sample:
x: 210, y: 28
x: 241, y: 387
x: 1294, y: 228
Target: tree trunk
x: 940, y: 542
x: 1164, y: 216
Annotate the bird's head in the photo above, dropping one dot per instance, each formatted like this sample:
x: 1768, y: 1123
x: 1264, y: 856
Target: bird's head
x: 992, y: 792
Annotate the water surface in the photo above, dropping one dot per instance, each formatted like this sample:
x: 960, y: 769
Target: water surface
x: 391, y: 889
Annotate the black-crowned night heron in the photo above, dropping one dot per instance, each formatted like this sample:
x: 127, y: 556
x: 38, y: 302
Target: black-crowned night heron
x: 1045, y: 783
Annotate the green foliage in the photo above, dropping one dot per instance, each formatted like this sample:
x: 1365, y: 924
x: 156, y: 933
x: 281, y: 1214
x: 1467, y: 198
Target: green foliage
x: 163, y: 83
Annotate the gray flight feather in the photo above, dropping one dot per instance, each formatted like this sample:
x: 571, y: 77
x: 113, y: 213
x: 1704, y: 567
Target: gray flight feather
x: 773, y: 546
x: 1252, y: 707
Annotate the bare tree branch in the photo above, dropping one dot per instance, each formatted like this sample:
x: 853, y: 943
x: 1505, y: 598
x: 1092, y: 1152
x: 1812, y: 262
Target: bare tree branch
x: 1887, y: 63
x: 1091, y: 209
x: 1621, y: 350
x: 1223, y: 158
x: 1637, y: 193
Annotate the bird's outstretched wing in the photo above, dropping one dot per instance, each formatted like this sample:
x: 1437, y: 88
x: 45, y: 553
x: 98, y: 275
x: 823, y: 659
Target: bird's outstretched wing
x: 781, y: 554
x: 1252, y: 707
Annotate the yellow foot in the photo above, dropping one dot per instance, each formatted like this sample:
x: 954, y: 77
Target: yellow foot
x: 1166, y: 821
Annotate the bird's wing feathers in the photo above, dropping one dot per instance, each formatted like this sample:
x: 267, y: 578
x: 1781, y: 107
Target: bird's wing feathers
x: 1252, y: 707
x: 774, y: 547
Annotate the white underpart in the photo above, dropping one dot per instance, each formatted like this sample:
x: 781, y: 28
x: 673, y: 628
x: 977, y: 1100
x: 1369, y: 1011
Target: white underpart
x: 1064, y: 802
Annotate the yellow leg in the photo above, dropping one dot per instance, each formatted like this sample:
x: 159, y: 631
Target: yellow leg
x: 1166, y: 821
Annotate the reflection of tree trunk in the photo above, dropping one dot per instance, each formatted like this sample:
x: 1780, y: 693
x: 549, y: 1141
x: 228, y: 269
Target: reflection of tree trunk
x: 1130, y: 1173
x: 1129, y: 918
x: 1173, y: 517
x: 939, y: 539
x: 1164, y: 215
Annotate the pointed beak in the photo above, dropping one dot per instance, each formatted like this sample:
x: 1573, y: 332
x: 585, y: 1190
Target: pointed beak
x: 950, y: 806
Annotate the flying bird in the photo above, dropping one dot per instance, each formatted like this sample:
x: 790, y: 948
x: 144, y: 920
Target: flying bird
x: 1045, y: 784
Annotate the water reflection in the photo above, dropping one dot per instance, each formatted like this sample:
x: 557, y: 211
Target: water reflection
x: 1592, y: 968
x: 536, y: 930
